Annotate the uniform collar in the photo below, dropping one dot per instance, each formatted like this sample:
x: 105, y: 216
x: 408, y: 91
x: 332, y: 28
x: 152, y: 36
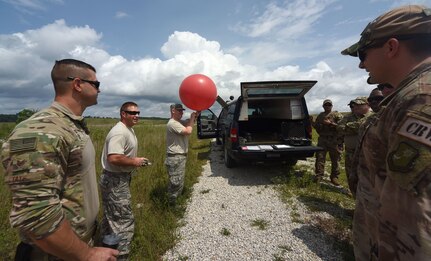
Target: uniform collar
x: 66, y: 111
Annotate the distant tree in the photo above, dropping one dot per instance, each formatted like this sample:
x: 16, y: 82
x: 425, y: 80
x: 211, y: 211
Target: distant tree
x: 8, y: 117
x: 24, y: 114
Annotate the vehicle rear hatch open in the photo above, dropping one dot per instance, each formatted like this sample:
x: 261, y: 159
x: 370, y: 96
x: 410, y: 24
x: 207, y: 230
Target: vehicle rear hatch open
x: 275, y: 90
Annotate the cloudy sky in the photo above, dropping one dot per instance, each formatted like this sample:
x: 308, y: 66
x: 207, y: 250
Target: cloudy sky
x: 143, y: 49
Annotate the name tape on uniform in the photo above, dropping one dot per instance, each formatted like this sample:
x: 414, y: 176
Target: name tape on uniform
x: 417, y: 130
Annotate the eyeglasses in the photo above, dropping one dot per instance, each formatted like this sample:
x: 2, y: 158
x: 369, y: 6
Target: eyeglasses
x: 95, y: 84
x: 133, y: 112
x: 327, y: 105
x: 362, y: 55
x: 375, y: 99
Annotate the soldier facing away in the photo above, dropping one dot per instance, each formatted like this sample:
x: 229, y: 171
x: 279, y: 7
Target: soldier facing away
x: 393, y: 196
x: 326, y: 126
x: 50, y: 169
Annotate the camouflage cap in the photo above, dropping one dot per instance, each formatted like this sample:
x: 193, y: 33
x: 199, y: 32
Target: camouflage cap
x: 177, y: 106
x: 327, y: 101
x: 359, y: 100
x: 402, y: 22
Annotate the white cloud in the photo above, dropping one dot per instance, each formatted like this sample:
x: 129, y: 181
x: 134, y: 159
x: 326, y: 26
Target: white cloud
x: 153, y: 83
x: 121, y: 14
x: 289, y: 20
x: 28, y: 6
x: 284, y: 32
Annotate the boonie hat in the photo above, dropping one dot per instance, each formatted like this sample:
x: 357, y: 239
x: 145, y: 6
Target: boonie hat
x: 359, y: 100
x: 177, y: 106
x: 327, y: 101
x: 403, y: 23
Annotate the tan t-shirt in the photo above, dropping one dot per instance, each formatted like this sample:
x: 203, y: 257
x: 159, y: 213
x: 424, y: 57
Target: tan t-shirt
x: 176, y: 143
x: 120, y: 140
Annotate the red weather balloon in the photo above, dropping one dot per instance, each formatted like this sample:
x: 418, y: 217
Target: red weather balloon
x: 198, y: 92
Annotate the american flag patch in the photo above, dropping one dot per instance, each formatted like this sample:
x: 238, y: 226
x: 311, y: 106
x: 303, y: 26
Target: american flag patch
x: 23, y: 144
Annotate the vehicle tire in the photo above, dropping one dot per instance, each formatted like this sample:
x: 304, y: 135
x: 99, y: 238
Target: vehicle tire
x: 218, y: 141
x: 291, y: 162
x: 228, y: 160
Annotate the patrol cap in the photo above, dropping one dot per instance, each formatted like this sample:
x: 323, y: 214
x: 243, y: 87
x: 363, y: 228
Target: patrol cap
x: 177, y: 106
x: 403, y: 23
x: 327, y: 101
x: 359, y: 100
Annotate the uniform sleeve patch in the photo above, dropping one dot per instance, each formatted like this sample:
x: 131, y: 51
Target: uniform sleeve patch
x: 417, y: 130
x: 402, y: 159
x: 23, y: 144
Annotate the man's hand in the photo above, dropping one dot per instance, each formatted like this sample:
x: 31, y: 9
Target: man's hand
x: 140, y: 161
x: 102, y: 254
x: 327, y: 121
x: 194, y: 115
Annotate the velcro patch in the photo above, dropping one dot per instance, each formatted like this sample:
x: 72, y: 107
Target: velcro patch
x: 23, y: 144
x: 417, y: 130
x: 402, y: 159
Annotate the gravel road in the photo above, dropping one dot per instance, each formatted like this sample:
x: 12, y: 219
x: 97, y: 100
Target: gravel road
x: 227, y: 205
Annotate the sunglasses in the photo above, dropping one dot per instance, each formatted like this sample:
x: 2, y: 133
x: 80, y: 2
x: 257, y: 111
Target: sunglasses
x: 362, y: 55
x: 133, y: 112
x: 375, y: 99
x: 95, y: 84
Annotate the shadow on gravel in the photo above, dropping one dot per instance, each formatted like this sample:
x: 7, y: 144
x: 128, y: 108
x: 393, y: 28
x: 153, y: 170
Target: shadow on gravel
x: 243, y: 174
x: 311, y: 235
x: 320, y: 205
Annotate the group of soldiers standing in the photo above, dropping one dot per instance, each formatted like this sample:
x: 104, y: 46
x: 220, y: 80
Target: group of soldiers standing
x: 337, y: 133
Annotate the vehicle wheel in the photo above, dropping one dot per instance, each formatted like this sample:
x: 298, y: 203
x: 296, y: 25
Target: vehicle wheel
x: 291, y: 162
x: 228, y: 160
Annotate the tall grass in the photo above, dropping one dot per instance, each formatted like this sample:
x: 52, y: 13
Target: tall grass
x: 155, y: 222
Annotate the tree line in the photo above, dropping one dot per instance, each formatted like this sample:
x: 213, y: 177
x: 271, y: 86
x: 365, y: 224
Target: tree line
x: 26, y: 113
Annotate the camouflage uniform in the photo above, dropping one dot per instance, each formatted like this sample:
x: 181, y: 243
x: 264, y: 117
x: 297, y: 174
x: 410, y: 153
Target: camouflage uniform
x: 176, y: 166
x: 348, y: 129
x: 50, y: 170
x: 118, y: 216
x: 176, y: 157
x: 353, y: 175
x: 330, y: 142
x: 393, y: 202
